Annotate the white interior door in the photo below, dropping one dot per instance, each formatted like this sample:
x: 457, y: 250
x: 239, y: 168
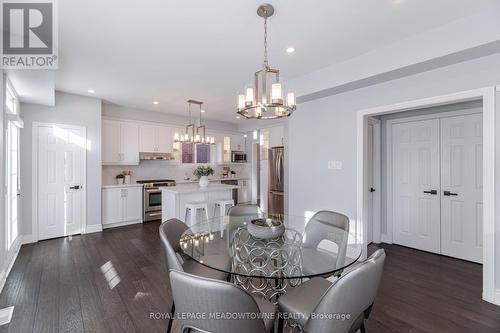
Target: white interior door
x: 416, y: 210
x: 61, y: 178
x: 462, y: 179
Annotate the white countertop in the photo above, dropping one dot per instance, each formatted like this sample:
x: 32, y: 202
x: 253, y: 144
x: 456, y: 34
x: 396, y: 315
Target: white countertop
x: 195, y: 188
x: 123, y: 185
x: 210, y: 180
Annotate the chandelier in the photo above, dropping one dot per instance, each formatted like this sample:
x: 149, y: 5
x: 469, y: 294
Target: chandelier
x: 259, y: 102
x: 197, y: 135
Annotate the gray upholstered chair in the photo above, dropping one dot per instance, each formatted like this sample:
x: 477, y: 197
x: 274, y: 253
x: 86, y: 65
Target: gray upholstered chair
x: 170, y: 235
x: 203, y: 296
x: 352, y: 294
x: 329, y: 226
x: 244, y: 210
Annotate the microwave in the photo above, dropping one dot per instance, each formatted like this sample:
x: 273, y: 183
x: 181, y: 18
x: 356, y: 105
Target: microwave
x: 238, y: 157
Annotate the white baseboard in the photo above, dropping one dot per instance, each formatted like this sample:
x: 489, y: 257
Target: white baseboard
x: 5, y: 272
x: 120, y: 224
x: 93, y: 228
x: 497, y: 297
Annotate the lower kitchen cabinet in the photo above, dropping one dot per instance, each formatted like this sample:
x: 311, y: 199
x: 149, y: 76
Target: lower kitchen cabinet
x: 244, y: 193
x: 121, y: 205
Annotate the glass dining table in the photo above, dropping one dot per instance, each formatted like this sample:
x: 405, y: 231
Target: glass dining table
x: 269, y: 266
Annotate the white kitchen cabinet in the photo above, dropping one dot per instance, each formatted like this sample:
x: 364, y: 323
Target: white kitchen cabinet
x: 110, y: 141
x: 147, y: 138
x: 120, y: 143
x: 165, y: 139
x: 244, y: 192
x: 155, y: 138
x: 121, y: 205
x: 276, y: 136
x: 129, y: 142
x: 237, y: 142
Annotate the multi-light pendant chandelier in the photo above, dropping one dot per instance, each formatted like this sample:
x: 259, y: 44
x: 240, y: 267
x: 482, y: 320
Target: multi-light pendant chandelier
x: 260, y: 102
x: 197, y: 135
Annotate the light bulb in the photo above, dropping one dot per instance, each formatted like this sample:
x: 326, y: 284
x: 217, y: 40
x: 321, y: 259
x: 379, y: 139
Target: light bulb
x: 276, y: 97
x: 176, y: 136
x: 241, y: 101
x: 212, y: 140
x: 290, y: 99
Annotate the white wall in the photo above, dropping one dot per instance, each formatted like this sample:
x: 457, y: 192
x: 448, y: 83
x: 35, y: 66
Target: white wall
x: 123, y: 112
x: 69, y: 110
x: 325, y: 130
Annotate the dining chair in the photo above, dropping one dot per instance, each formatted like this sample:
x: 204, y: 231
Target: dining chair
x: 244, y: 210
x: 170, y: 235
x: 325, y: 226
x: 351, y: 295
x: 206, y: 297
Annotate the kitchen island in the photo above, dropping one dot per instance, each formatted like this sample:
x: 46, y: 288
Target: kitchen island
x: 175, y: 198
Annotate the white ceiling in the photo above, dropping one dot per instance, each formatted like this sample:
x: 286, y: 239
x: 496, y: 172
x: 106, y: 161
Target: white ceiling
x: 134, y: 52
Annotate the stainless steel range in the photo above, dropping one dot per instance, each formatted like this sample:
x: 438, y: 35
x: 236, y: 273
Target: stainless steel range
x: 152, y: 198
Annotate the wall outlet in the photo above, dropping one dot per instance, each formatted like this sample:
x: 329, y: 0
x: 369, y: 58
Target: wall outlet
x: 334, y: 165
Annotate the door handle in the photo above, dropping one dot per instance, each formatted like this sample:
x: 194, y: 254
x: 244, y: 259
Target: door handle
x: 434, y: 192
x: 372, y: 189
x: 448, y: 193
x: 76, y: 187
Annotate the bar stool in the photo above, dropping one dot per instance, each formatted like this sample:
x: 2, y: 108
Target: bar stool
x: 223, y: 206
x: 192, y: 211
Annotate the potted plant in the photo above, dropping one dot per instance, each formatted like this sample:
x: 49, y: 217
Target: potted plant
x: 120, y: 178
x: 202, y: 172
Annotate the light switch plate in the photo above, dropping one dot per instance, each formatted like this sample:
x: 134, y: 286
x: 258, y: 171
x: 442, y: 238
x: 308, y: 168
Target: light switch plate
x: 334, y: 165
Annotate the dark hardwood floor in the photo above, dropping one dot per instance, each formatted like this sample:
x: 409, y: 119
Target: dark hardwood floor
x: 113, y: 281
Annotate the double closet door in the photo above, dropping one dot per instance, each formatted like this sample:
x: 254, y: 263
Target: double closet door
x: 437, y: 185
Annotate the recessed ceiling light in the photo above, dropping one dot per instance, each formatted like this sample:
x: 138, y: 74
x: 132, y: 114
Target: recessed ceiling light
x: 202, y: 111
x: 290, y: 49
x: 91, y: 91
x: 156, y: 102
x: 237, y: 117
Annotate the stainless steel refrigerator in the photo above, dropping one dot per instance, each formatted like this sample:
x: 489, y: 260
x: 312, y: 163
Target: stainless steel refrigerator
x: 275, y: 197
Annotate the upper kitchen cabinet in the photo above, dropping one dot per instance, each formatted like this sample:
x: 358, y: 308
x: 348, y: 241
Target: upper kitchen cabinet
x: 276, y: 136
x: 237, y: 142
x: 120, y: 143
x: 154, y: 138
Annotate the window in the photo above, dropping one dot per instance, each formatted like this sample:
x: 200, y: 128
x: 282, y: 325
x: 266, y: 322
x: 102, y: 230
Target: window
x: 202, y: 153
x: 187, y: 153
x: 227, y: 149
x: 10, y: 99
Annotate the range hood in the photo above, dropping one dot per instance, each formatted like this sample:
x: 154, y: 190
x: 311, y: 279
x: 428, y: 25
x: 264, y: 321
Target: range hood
x: 155, y: 156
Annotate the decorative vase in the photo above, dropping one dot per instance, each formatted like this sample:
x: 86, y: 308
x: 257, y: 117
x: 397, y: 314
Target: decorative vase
x: 127, y: 179
x: 204, y: 181
x: 265, y: 228
x: 119, y: 181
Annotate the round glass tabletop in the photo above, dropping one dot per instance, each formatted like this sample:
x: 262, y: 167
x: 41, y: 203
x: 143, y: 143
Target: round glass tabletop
x: 242, y: 246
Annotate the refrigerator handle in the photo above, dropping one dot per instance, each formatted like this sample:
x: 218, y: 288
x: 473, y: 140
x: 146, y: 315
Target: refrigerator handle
x: 277, y: 167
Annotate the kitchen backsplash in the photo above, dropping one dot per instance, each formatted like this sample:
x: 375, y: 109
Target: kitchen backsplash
x: 163, y: 170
